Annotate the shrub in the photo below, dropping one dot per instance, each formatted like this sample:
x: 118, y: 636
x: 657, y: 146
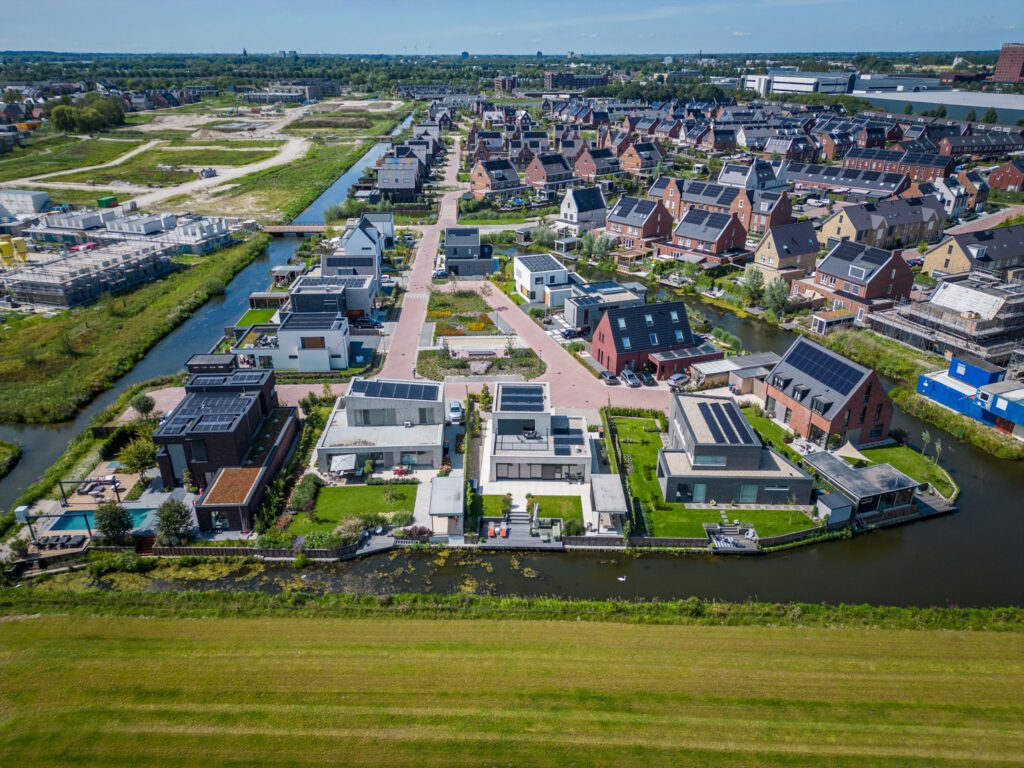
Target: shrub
x: 402, y: 519
x: 305, y: 493
x: 302, y: 560
x: 122, y: 562
x: 143, y: 404
x: 174, y: 523
x: 324, y: 540
x: 275, y: 540
x: 139, y: 455
x: 414, y: 532
x: 572, y: 528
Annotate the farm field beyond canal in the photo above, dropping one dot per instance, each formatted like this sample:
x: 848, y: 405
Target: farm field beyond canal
x: 385, y: 691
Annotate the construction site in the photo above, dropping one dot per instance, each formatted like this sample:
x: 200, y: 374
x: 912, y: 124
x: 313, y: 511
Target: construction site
x: 77, y: 276
x: 975, y: 313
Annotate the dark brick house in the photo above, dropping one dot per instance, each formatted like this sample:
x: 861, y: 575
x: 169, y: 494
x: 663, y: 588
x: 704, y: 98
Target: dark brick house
x: 649, y: 337
x: 594, y: 164
x: 818, y: 393
x: 641, y: 159
x: 859, y: 278
x: 717, y: 238
x: 549, y: 171
x: 635, y: 221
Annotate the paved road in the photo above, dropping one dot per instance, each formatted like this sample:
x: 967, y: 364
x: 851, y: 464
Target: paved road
x: 401, y: 358
x: 987, y: 222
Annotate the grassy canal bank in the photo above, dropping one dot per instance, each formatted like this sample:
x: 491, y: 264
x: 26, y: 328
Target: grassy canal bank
x: 52, y: 366
x: 302, y: 680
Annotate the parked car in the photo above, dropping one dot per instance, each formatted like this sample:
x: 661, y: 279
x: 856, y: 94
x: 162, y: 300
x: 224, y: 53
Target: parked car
x: 440, y: 273
x: 366, y: 322
x: 454, y: 412
x: 646, y: 379
x: 629, y: 378
x: 608, y: 378
x: 570, y: 333
x: 678, y: 380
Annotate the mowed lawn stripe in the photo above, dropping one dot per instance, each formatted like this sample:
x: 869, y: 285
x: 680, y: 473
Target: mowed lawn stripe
x: 391, y: 692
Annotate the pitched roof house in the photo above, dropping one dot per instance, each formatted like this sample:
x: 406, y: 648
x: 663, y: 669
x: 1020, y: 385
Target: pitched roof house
x: 786, y: 252
x: 549, y: 171
x: 640, y: 159
x: 634, y: 220
x: 493, y: 178
x: 998, y: 251
x: 887, y: 223
x: 582, y: 209
x: 818, y: 393
x: 700, y: 236
x: 649, y: 337
x: 859, y: 278
x: 594, y: 164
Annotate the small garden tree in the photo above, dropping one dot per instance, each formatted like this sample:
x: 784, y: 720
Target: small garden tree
x: 775, y: 295
x: 971, y: 116
x: 926, y: 437
x: 753, y: 286
x: 173, y: 523
x: 990, y: 116
x: 486, y: 399
x: 143, y: 404
x: 113, y: 522
x: 139, y: 455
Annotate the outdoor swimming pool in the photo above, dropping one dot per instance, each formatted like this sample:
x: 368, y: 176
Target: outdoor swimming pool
x: 75, y: 522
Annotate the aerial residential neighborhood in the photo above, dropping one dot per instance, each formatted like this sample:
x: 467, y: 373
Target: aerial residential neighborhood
x: 687, y: 388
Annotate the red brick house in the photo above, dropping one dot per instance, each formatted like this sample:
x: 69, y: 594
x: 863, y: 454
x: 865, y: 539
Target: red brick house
x: 649, y: 337
x: 594, y: 164
x: 715, y: 238
x: 493, y: 178
x: 1009, y: 177
x: 977, y: 189
x: 640, y: 159
x: 835, y: 145
x: 618, y: 142
x: 818, y: 393
x: 549, y: 171
x: 636, y: 221
x: 919, y: 166
x: 759, y: 210
x: 858, y: 278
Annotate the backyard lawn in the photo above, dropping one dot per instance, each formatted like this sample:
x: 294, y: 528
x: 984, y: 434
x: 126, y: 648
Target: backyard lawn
x: 640, y: 450
x: 911, y: 463
x: 256, y: 316
x: 335, y: 504
x: 390, y: 691
x: 770, y: 433
x: 566, y: 507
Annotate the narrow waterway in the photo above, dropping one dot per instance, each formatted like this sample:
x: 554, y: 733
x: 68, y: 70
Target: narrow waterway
x: 42, y: 444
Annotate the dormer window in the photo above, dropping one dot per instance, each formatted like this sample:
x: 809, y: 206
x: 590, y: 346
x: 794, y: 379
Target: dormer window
x: 626, y: 343
x: 649, y: 320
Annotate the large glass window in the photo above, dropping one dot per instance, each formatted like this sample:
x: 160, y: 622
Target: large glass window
x: 748, y: 494
x: 700, y: 492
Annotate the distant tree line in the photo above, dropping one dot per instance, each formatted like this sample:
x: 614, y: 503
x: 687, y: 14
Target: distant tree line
x: 94, y: 112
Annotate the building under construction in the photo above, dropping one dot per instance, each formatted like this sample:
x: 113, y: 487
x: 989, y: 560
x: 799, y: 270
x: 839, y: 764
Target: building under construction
x: 74, y: 279
x: 975, y: 313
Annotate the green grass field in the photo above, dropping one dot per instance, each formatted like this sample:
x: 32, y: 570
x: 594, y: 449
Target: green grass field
x: 256, y: 316
x: 676, y: 520
x: 84, y: 690
x: 142, y: 169
x: 335, y: 504
x: 565, y: 507
x: 59, y: 153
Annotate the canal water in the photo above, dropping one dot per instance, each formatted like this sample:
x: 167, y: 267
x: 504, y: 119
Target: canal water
x: 971, y: 558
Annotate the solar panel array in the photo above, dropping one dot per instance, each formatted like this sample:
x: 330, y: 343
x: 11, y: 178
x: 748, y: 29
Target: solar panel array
x: 524, y: 399
x: 207, y: 381
x: 831, y: 371
x: 725, y: 424
x: 394, y: 390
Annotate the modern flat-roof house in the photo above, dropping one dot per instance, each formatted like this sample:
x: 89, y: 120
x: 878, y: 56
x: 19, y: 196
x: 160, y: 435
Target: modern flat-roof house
x: 528, y: 441
x: 818, y: 393
x: 389, y: 421
x: 998, y: 251
x: 494, y: 179
x: 536, y: 274
x: 304, y: 341
x: 976, y: 313
x: 230, y: 436
x: 582, y: 210
x: 877, y: 492
x: 858, y: 278
x: 887, y: 223
x: 701, y: 236
x: 587, y: 302
x: 713, y: 456
x: 353, y: 295
x: 649, y: 337
x: 465, y: 255
x: 787, y: 252
x: 634, y: 221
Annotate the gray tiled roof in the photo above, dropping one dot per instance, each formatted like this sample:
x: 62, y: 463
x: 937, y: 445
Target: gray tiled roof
x: 702, y: 225
x: 891, y: 213
x: 1004, y: 244
x: 632, y: 211
x: 588, y: 199
x: 854, y: 262
x: 794, y: 239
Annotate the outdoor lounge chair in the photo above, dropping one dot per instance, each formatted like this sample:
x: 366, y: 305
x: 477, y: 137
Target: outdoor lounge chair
x: 490, y: 531
x: 504, y: 532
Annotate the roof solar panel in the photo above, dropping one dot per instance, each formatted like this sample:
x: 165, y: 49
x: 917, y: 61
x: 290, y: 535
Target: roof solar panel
x: 712, y: 425
x: 742, y: 430
x: 358, y: 387
x: 830, y: 371
x: 725, y: 426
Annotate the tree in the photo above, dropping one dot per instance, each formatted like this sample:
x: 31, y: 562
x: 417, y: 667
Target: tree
x: 775, y: 295
x: 143, y: 404
x: 971, y: 116
x: 11, y: 96
x: 173, y: 523
x: 113, y: 522
x: 602, y: 248
x: 990, y: 116
x: 486, y: 399
x: 63, y: 118
x: 908, y: 108
x: 753, y: 285
x: 938, y: 450
x: 139, y: 455
x: 926, y: 437
x: 690, y: 270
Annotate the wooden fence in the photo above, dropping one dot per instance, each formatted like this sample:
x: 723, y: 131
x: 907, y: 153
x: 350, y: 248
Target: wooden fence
x: 593, y: 541
x: 659, y: 541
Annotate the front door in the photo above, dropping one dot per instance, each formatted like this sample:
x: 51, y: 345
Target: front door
x: 700, y: 492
